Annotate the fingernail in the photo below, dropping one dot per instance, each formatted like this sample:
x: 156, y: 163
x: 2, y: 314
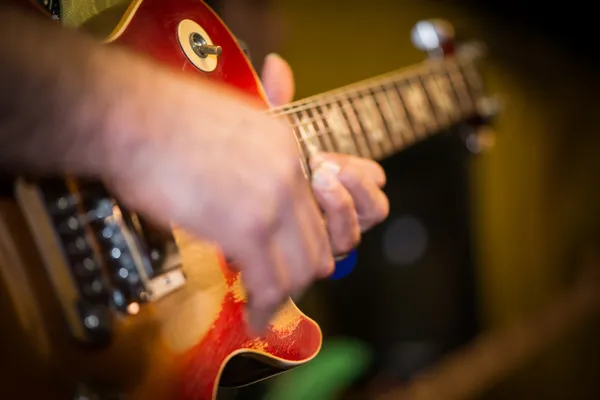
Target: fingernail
x: 325, y: 177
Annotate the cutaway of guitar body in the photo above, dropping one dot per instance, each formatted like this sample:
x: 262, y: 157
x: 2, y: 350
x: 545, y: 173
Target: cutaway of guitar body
x: 291, y: 339
x: 184, y: 345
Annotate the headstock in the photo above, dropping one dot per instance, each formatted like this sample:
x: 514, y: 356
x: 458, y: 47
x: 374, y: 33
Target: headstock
x: 437, y: 38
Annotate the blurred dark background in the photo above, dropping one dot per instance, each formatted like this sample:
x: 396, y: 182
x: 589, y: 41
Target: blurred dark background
x: 473, y: 241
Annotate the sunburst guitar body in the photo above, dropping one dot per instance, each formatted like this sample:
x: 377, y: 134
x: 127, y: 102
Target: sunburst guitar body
x: 96, y: 303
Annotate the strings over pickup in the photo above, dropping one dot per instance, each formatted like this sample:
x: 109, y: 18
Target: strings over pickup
x: 104, y: 261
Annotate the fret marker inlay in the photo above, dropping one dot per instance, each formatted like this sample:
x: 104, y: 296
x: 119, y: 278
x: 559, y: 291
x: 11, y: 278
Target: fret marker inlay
x: 339, y: 129
x: 381, y: 116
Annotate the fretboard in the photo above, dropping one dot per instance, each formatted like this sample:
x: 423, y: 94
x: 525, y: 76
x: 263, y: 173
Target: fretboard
x: 381, y: 116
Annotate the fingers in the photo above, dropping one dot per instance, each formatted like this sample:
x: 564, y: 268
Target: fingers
x: 264, y: 279
x: 278, y: 80
x: 337, y: 205
x: 305, y: 246
x: 298, y: 250
x: 370, y: 168
x: 362, y: 180
x: 372, y: 205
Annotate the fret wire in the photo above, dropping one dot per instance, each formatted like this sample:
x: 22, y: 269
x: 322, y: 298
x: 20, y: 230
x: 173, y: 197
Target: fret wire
x: 314, y: 122
x: 411, y: 133
x: 347, y: 110
x: 387, y: 121
x: 312, y: 119
x: 389, y: 77
x: 437, y: 90
x: 367, y: 116
x: 349, y: 102
x: 376, y: 91
x: 333, y: 135
x: 436, y: 125
x: 466, y: 102
x: 473, y: 82
x: 299, y: 139
x: 330, y: 103
x: 442, y: 100
x: 405, y: 144
x: 340, y: 130
x: 372, y: 122
x: 323, y: 112
x: 397, y: 115
x: 459, y: 74
x: 457, y: 112
x: 366, y: 123
x: 454, y: 94
x: 430, y: 121
x: 357, y: 129
x: 308, y: 132
x: 322, y: 122
x: 324, y: 126
x: 342, y: 95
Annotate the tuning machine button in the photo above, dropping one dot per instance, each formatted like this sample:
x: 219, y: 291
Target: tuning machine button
x: 434, y: 36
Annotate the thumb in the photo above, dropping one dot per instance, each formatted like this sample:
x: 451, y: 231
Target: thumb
x: 278, y: 80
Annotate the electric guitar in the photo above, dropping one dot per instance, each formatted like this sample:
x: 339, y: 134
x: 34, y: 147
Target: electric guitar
x: 96, y: 303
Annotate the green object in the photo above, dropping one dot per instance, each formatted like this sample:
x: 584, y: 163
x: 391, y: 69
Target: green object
x: 338, y: 365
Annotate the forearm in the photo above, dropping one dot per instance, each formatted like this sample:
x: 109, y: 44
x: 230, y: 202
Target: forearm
x: 52, y: 115
x: 69, y: 104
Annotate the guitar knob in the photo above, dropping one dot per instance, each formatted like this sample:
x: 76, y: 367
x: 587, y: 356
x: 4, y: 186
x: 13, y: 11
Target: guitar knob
x: 202, y: 48
x: 433, y: 36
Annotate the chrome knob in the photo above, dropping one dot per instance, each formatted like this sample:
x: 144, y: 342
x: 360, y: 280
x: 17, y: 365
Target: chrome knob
x: 202, y: 48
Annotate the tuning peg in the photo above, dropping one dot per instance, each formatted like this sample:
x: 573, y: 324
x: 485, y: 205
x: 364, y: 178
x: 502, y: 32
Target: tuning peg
x: 434, y: 36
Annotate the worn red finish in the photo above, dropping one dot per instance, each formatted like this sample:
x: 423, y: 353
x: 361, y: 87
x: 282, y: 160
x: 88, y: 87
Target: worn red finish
x: 201, y: 365
x: 153, y: 32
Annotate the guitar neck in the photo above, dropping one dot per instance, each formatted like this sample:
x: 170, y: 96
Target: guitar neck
x: 381, y: 116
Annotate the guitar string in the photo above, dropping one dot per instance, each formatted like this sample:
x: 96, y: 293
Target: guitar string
x: 390, y: 77
x: 441, y: 67
x: 390, y: 134
x: 329, y: 103
x: 397, y: 138
x: 409, y: 133
x: 405, y: 137
x: 338, y: 95
x: 322, y: 117
x: 326, y: 102
x: 311, y: 137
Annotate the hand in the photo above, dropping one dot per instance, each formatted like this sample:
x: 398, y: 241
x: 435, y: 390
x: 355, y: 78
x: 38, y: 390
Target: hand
x: 348, y: 189
x: 201, y: 157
